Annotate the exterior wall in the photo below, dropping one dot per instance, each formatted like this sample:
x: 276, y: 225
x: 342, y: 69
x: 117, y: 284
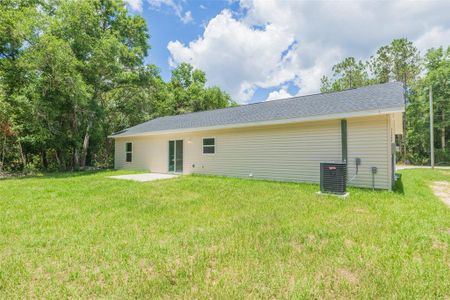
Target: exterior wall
x: 280, y: 152
x: 369, y: 140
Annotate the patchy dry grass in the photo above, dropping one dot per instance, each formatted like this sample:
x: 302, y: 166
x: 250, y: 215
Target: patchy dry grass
x: 85, y: 235
x: 442, y: 190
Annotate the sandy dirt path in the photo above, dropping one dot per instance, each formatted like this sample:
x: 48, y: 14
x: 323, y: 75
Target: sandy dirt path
x: 442, y: 190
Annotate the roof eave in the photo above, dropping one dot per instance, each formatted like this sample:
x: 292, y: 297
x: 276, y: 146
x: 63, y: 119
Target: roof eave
x: 273, y: 122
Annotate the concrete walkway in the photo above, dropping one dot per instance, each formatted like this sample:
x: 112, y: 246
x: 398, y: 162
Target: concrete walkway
x: 145, y: 177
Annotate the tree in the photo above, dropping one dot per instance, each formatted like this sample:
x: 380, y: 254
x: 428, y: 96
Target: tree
x: 398, y: 61
x: 57, y: 94
x: 20, y: 22
x: 72, y: 72
x: 437, y: 76
x: 109, y: 42
x: 437, y: 64
x: 189, y: 94
x: 347, y: 74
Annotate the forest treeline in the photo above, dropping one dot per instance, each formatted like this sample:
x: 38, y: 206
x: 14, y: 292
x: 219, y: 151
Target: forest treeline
x: 401, y: 61
x: 73, y: 72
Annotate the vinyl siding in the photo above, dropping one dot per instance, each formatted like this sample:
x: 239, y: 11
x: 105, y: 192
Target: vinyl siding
x: 368, y: 139
x: 280, y: 152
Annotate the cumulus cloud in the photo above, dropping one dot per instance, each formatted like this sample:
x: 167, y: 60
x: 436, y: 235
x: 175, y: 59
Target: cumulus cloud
x: 280, y: 94
x: 237, y: 56
x: 270, y: 42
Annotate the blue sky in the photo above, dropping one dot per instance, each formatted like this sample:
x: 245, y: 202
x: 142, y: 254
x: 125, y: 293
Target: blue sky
x: 260, y: 50
x: 165, y: 26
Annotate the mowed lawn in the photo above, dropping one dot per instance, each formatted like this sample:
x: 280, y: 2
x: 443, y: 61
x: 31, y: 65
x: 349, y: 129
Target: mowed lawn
x: 85, y: 235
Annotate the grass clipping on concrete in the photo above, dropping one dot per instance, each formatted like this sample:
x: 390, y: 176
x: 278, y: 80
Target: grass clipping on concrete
x: 85, y: 235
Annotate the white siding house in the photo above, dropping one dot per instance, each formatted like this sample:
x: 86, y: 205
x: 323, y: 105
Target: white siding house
x: 279, y: 143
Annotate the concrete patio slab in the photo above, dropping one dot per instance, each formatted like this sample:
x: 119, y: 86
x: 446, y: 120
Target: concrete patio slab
x: 144, y: 177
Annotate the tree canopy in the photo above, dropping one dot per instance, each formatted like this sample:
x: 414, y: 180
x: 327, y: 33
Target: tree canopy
x: 72, y: 72
x: 401, y: 61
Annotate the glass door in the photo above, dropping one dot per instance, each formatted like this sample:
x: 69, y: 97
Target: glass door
x: 176, y: 156
x: 179, y: 156
x: 171, y: 156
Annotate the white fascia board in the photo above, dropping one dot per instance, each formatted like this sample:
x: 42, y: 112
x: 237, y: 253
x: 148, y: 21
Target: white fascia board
x: 365, y: 113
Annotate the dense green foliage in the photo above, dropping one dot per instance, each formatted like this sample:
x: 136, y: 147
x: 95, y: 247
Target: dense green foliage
x: 72, y: 72
x: 401, y: 61
x: 83, y: 235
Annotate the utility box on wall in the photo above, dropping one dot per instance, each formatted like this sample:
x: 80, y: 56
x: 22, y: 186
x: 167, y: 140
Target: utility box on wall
x: 333, y: 178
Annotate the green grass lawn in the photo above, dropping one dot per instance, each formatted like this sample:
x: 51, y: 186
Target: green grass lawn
x: 85, y: 235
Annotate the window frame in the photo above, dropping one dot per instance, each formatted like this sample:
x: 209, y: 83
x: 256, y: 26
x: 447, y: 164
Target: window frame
x: 128, y: 152
x: 208, y: 146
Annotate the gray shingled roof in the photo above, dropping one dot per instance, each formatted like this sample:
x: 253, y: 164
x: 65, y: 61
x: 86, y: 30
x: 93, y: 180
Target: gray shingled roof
x: 381, y: 96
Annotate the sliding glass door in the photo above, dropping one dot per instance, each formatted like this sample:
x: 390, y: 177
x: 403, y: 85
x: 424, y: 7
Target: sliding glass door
x: 176, y: 156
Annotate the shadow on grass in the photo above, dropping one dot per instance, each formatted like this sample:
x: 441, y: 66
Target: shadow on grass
x: 56, y: 174
x: 398, y: 186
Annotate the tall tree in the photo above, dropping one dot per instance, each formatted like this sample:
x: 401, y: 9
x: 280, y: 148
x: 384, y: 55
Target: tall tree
x: 398, y: 61
x: 20, y: 24
x: 57, y: 94
x: 189, y: 94
x: 347, y: 74
x: 437, y: 64
x: 109, y: 42
x: 72, y: 72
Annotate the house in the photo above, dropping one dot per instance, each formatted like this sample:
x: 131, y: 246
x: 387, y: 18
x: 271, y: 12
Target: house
x: 278, y: 140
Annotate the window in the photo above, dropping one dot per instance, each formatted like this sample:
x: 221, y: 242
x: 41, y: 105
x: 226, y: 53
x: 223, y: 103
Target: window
x: 129, y: 152
x: 209, y: 145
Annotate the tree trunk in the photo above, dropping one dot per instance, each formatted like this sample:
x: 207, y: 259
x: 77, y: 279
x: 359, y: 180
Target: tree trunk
x: 58, y: 157
x: 44, y: 162
x: 75, y: 159
x: 22, y: 155
x: 403, y: 139
x: 443, y: 131
x: 85, y: 144
x: 3, y: 154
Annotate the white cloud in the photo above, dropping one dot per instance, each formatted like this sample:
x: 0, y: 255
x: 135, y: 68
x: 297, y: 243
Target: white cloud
x: 238, y: 57
x: 187, y: 17
x: 170, y: 3
x: 434, y: 38
x: 268, y: 42
x: 135, y: 5
x: 280, y: 94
